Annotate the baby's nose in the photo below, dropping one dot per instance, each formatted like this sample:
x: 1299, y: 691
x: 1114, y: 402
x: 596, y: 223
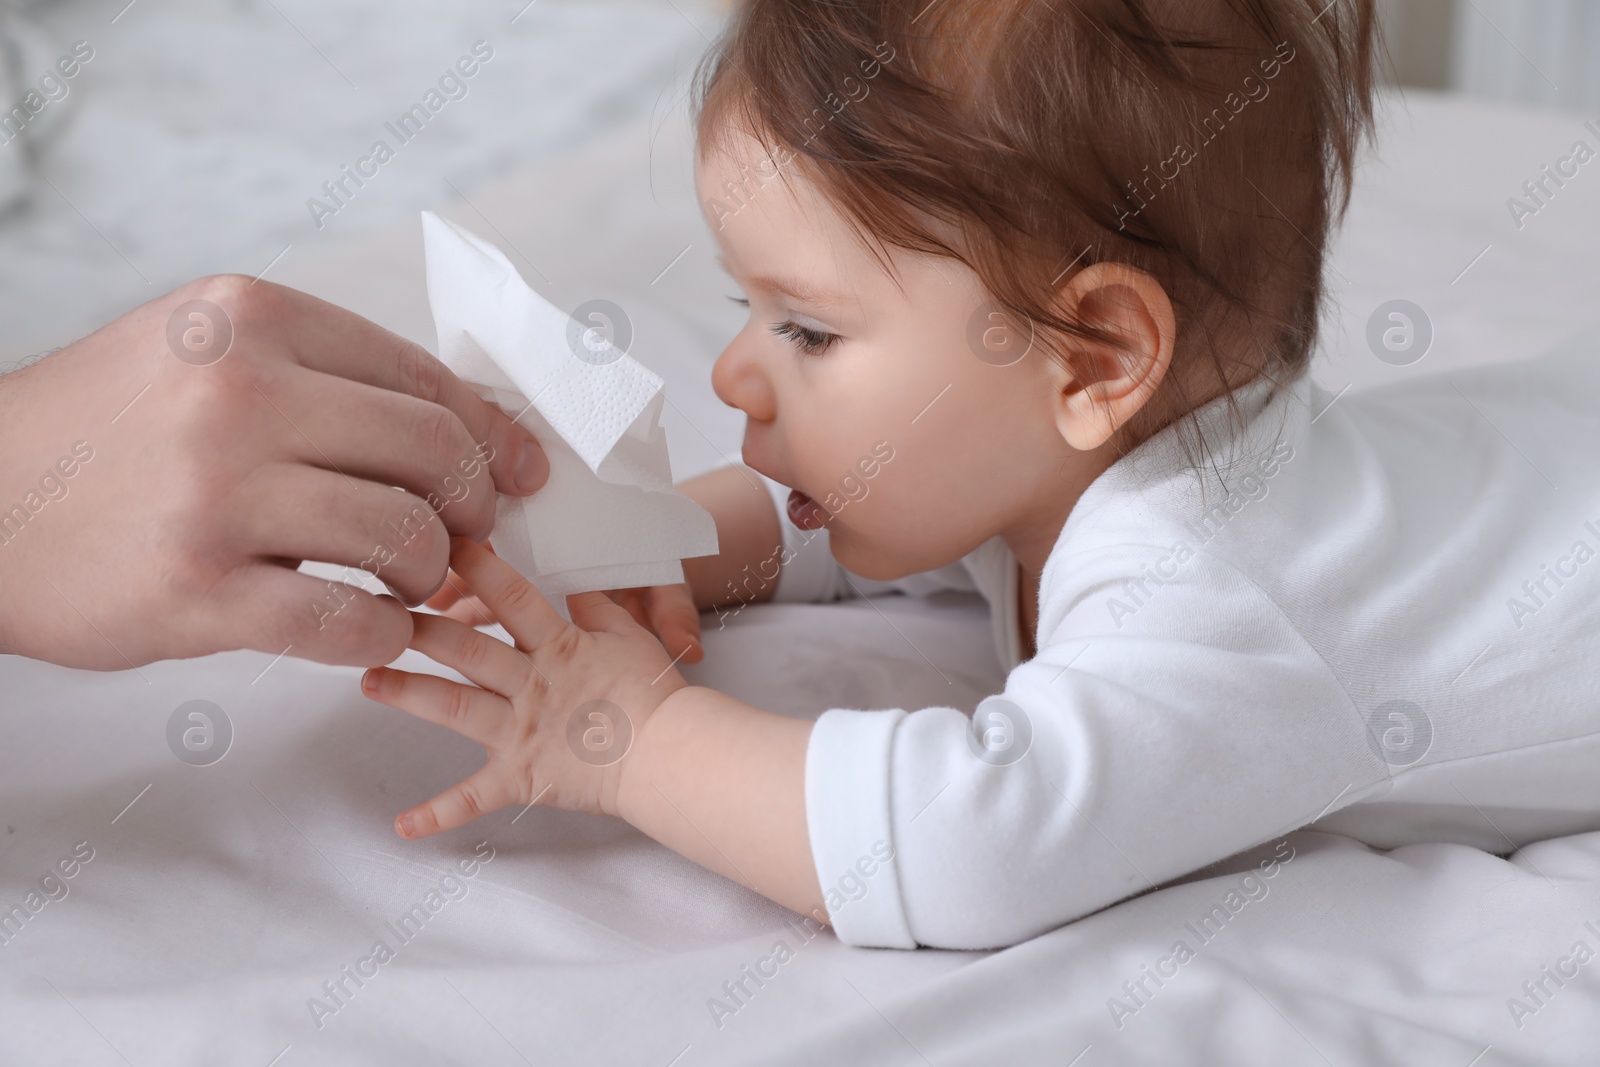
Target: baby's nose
x: 740, y: 382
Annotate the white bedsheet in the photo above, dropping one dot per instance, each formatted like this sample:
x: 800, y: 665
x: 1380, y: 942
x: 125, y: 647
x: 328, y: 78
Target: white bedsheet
x: 219, y: 899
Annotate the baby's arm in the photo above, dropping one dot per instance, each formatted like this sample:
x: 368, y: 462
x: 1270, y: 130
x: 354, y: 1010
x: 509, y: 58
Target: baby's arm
x: 723, y: 784
x: 748, y: 536
x: 1124, y: 761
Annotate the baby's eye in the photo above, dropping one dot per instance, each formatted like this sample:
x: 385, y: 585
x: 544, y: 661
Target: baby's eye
x: 741, y: 301
x: 812, y: 342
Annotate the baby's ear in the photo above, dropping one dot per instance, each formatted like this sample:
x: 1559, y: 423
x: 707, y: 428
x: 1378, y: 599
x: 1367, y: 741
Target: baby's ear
x: 1105, y: 384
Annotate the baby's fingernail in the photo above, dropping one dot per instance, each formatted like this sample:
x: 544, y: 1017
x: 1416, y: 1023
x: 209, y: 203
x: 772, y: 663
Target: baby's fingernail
x: 404, y: 825
x: 369, y: 680
x: 533, y: 469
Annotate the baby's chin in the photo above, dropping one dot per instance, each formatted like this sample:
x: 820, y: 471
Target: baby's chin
x: 880, y: 559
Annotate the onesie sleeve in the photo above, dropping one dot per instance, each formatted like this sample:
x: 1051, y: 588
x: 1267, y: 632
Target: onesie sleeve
x: 1112, y: 762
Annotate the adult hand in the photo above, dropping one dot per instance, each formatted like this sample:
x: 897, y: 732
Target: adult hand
x: 162, y: 479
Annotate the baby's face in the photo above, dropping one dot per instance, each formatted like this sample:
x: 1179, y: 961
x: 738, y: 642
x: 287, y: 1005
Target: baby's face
x: 863, y: 392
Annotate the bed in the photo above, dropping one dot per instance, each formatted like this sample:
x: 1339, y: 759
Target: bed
x: 231, y: 911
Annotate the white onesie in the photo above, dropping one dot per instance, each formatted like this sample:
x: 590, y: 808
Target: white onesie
x: 1387, y: 624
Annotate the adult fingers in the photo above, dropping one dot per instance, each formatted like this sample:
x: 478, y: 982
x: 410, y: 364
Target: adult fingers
x: 335, y: 519
x: 391, y: 438
x: 516, y: 602
x: 330, y: 339
x: 469, y: 711
x: 487, y: 790
x: 272, y: 608
x: 485, y: 660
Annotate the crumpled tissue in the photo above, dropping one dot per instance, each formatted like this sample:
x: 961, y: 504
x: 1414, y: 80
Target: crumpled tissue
x: 609, y: 518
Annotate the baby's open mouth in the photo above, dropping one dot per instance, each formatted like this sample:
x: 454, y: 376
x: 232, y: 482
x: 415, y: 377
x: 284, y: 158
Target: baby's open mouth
x: 806, y: 513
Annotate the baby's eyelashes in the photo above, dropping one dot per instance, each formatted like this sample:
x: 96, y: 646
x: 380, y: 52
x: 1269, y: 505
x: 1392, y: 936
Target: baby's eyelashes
x: 810, y: 341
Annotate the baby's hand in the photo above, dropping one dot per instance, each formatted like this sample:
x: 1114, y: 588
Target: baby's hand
x: 557, y: 712
x: 667, y: 611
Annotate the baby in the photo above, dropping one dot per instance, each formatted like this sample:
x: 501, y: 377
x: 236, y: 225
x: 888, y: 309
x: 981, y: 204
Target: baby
x: 1048, y: 276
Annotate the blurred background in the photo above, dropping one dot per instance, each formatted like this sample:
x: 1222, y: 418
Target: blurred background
x: 1539, y: 52
x: 198, y: 133
x: 194, y: 138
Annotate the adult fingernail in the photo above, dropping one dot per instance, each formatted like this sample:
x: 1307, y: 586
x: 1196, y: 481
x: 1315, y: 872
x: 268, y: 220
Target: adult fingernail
x: 533, y: 469
x: 404, y: 824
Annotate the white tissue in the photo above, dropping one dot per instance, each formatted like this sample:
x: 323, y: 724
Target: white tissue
x: 609, y: 517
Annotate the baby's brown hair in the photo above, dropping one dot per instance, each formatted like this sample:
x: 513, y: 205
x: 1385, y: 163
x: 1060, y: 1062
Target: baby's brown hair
x: 1209, y: 143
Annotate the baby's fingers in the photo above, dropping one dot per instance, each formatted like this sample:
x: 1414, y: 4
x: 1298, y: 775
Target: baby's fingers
x: 633, y: 600
x: 463, y: 802
x: 451, y: 593
x: 469, y: 711
x: 454, y: 601
x: 469, y: 610
x: 676, y: 621
x: 514, y: 601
